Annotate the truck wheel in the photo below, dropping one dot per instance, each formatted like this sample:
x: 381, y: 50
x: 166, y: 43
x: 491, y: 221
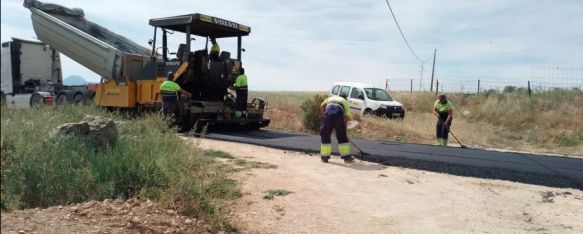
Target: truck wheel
x: 62, y: 99
x: 79, y: 99
x: 36, y: 100
x: 92, y: 99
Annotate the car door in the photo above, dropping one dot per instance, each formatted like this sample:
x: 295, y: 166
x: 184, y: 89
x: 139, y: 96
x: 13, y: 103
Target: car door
x: 356, y: 100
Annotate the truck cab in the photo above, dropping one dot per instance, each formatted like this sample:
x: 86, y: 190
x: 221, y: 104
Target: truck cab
x: 31, y: 72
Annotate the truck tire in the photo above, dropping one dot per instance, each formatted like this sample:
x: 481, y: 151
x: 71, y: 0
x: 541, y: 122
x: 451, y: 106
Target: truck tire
x: 62, y: 99
x: 36, y: 100
x: 2, y: 99
x: 79, y: 99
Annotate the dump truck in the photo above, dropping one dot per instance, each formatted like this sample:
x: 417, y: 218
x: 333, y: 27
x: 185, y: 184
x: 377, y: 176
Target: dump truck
x: 31, y: 76
x: 132, y: 74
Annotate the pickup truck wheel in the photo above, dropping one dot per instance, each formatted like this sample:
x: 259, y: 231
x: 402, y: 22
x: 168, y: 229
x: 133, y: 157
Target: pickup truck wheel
x: 368, y: 112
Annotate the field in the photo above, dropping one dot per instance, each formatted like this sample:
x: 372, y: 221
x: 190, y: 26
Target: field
x: 42, y: 169
x: 547, y: 122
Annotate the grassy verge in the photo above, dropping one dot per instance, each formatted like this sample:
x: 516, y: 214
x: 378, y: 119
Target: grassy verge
x: 149, y: 161
x: 548, y: 122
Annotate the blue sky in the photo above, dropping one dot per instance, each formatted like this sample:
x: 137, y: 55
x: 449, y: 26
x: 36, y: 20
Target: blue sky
x: 306, y: 45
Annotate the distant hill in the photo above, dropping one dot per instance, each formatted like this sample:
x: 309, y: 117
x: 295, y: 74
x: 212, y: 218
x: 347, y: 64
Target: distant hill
x: 74, y: 80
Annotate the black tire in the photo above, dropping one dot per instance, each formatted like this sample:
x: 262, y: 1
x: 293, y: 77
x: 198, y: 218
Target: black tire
x: 79, y: 99
x: 92, y: 100
x: 36, y: 100
x: 368, y: 112
x: 62, y: 99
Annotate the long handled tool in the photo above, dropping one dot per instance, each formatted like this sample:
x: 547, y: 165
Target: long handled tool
x: 450, y: 132
x: 362, y: 153
x: 458, y: 141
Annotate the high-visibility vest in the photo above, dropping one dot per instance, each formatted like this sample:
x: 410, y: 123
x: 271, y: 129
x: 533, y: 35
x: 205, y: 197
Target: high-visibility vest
x: 340, y: 102
x: 241, y: 81
x: 215, y: 48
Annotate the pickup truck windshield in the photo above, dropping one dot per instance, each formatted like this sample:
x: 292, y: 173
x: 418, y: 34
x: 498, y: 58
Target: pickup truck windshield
x: 378, y: 95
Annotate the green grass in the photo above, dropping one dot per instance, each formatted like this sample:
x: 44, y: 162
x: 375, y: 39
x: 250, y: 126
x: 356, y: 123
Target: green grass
x: 41, y: 169
x: 272, y: 193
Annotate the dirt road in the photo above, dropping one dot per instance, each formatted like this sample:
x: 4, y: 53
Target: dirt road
x: 370, y: 198
x: 109, y: 216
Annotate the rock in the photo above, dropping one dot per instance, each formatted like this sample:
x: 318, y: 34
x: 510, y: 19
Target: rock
x: 88, y: 205
x: 102, y: 131
x: 81, y: 128
x: 188, y: 221
x: 21, y: 232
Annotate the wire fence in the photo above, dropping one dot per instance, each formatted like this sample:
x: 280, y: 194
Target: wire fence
x: 541, y: 79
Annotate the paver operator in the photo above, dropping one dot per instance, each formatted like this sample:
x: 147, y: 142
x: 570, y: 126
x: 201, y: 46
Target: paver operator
x: 336, y: 114
x: 443, y: 110
x: 215, y: 50
x: 242, y: 93
x: 170, y: 96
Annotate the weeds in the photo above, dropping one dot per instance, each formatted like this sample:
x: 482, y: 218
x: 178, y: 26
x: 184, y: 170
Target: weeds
x: 272, y: 193
x: 312, y: 116
x: 149, y: 161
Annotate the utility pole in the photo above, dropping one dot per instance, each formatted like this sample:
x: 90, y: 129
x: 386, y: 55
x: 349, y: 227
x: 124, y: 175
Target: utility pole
x: 433, y: 70
x: 421, y: 75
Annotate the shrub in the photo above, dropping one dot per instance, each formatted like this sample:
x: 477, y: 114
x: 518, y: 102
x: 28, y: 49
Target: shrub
x: 311, y: 111
x: 509, y: 89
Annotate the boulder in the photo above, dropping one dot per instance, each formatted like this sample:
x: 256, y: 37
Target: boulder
x: 81, y: 128
x: 102, y: 131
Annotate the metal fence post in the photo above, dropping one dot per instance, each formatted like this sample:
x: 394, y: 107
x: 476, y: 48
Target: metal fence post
x: 529, y: 91
x: 411, y: 85
x: 436, y: 87
x: 478, y: 87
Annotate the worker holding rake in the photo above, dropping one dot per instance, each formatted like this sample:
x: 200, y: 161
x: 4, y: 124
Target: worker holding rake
x: 443, y: 110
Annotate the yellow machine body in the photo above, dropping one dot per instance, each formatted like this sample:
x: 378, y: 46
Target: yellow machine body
x: 131, y: 94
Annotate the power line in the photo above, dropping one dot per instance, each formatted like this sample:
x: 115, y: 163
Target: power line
x: 403, y: 35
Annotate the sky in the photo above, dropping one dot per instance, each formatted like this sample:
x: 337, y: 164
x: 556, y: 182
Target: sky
x: 307, y: 45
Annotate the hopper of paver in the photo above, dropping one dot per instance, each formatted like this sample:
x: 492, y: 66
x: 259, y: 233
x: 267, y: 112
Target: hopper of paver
x: 104, y: 52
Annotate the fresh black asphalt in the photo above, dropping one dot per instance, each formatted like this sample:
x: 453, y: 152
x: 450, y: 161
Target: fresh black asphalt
x: 554, y: 171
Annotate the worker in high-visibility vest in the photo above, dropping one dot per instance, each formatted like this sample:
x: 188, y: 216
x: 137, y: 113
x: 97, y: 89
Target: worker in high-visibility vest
x: 242, y: 94
x: 170, y: 91
x: 215, y: 50
x: 443, y: 110
x: 336, y: 114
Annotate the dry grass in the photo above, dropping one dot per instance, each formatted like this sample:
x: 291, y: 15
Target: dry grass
x: 549, y: 122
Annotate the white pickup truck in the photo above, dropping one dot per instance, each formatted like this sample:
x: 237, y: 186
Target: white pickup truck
x: 365, y: 99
